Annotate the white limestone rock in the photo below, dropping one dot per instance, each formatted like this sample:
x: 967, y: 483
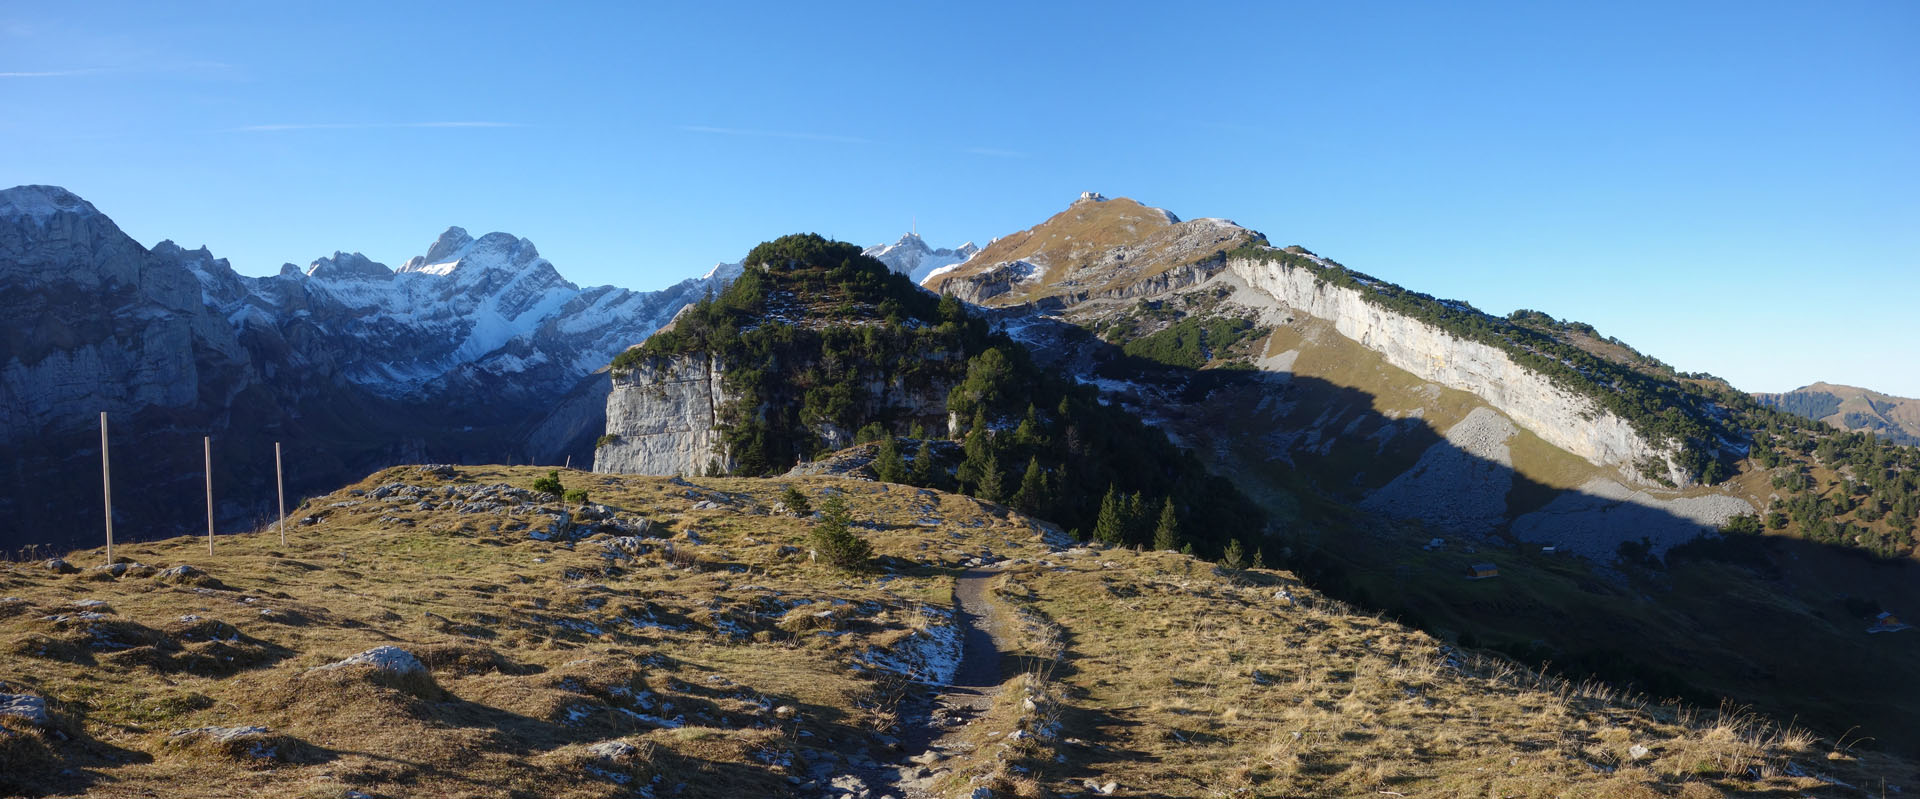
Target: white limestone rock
x: 660, y: 418
x: 1564, y: 419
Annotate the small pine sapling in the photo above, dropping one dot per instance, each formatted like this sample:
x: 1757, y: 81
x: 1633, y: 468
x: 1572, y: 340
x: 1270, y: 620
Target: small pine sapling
x: 833, y: 539
x: 796, y: 501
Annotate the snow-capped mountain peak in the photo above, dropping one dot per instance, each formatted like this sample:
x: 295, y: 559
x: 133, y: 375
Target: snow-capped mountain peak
x: 911, y: 256
x: 455, y: 251
x: 446, y: 250
x: 349, y: 266
x: 722, y: 273
x: 40, y: 203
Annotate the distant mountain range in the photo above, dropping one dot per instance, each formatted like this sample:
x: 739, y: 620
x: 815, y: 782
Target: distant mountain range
x: 1390, y: 438
x: 1897, y: 419
x: 477, y: 351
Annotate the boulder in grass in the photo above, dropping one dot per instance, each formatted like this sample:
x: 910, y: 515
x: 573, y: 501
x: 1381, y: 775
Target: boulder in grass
x: 184, y: 574
x: 31, y: 708
x: 115, y: 571
x: 252, y: 745
x: 613, y: 751
x: 179, y: 574
x: 58, y: 566
x: 390, y: 666
x: 390, y: 659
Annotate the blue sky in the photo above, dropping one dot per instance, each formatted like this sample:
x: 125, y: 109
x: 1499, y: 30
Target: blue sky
x: 1728, y: 186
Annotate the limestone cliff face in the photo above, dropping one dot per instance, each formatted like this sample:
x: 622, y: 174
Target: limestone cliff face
x: 661, y: 417
x: 1561, y: 417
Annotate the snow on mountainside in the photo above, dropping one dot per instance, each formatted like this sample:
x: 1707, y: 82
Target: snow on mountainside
x: 912, y: 257
x: 478, y: 349
x: 468, y: 310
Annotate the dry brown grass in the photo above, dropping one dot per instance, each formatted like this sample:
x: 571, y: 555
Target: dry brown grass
x: 536, y: 650
x: 729, y: 665
x: 1185, y: 683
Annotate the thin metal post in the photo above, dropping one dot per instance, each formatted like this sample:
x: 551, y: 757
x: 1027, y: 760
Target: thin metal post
x: 569, y: 463
x: 206, y: 443
x: 106, y: 484
x: 282, y: 485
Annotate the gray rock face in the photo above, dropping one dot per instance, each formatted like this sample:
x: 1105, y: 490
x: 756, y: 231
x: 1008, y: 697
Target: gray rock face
x: 661, y: 416
x: 1565, y: 419
x: 661, y: 419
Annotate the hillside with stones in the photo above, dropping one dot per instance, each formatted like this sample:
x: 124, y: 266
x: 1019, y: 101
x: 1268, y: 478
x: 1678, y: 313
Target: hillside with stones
x: 450, y: 631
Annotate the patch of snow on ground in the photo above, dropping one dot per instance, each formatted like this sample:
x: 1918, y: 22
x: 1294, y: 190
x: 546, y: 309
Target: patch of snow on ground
x: 931, y: 655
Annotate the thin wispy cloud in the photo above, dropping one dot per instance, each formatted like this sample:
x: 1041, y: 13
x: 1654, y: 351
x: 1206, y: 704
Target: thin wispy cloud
x: 373, y: 125
x: 777, y: 134
x: 53, y: 73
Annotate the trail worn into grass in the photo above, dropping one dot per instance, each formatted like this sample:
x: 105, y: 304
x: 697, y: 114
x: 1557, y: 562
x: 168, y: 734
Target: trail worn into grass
x: 936, y: 732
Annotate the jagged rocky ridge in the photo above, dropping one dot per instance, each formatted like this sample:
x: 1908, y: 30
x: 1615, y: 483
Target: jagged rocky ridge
x: 911, y: 256
x: 477, y: 350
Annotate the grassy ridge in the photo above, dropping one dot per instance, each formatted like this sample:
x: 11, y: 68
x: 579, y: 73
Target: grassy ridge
x: 709, y: 659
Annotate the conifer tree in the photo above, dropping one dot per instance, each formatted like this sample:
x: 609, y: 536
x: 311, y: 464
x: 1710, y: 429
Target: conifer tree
x: 992, y: 482
x: 832, y: 538
x: 1139, y: 524
x: 922, y: 473
x: 1028, y: 436
x: 796, y: 501
x: 1111, y: 527
x: 887, y: 465
x: 1259, y: 558
x: 1166, y: 535
x: 979, y: 452
x: 1032, y: 498
x: 1236, y: 556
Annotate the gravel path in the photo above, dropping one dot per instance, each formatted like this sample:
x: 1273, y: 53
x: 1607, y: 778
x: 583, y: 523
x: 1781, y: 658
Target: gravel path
x: 934, y: 722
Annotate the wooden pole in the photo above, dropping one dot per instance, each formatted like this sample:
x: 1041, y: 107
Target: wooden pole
x: 282, y: 485
x: 206, y: 442
x: 569, y: 463
x: 106, y: 484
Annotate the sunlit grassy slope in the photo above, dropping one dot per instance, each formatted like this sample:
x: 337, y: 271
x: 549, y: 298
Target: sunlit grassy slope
x: 685, y: 646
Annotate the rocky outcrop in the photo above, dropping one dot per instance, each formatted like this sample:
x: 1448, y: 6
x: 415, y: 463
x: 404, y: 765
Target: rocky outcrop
x: 1564, y: 419
x: 661, y: 417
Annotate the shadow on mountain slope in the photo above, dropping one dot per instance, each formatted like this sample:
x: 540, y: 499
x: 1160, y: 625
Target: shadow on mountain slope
x: 1770, y: 622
